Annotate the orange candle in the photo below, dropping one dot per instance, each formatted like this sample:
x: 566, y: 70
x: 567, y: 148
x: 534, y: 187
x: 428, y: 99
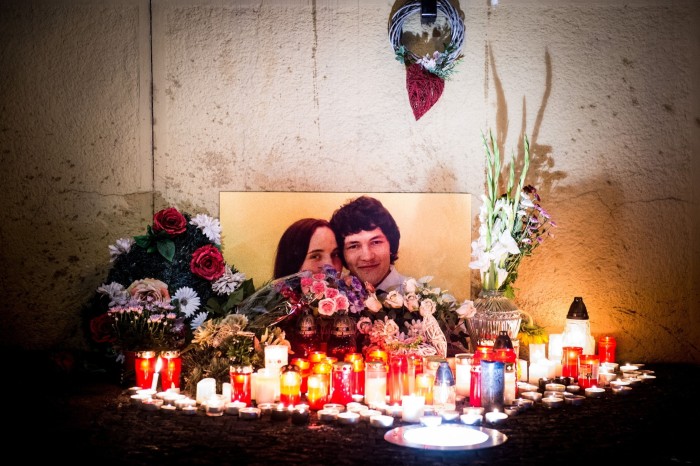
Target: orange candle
x: 424, y: 386
x: 290, y: 385
x: 317, y: 391
x: 305, y: 368
x: 323, y: 368
x: 317, y: 356
x: 358, y: 369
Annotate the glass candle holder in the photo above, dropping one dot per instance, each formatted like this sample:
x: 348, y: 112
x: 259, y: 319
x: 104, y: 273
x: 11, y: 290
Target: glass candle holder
x: 317, y: 391
x: 276, y: 357
x: 358, y: 371
x: 375, y: 382
x: 397, y: 381
x: 569, y: 363
x: 241, y: 383
x: 424, y: 386
x: 171, y: 370
x: 342, y: 384
x: 145, y: 367
x: 588, y: 365
x: 606, y: 349
x: 463, y: 367
x: 290, y: 385
x: 304, y: 366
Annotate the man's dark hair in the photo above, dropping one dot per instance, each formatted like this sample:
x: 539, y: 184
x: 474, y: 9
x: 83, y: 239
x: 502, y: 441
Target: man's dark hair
x: 365, y: 213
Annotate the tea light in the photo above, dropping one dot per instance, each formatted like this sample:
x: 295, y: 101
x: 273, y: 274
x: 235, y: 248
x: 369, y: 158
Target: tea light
x: 621, y: 390
x: 527, y: 387
x: 553, y: 393
x: 495, y: 416
x: 393, y: 410
x: 171, y: 397
x: 609, y: 366
x: 355, y: 407
x: 337, y: 406
x: 168, y: 408
x: 604, y: 378
x: 185, y: 401
x: 628, y: 368
x: 232, y: 407
x: 328, y: 414
x: 523, y: 403
x: 280, y: 413
x: 300, y: 416
x: 249, y: 413
x: 151, y: 404
x: 266, y: 408
x: 619, y: 383
x: 381, y: 421
x: 133, y: 390
x: 574, y: 400
x: 633, y: 380
x: 189, y: 410
x: 511, y: 410
x: 449, y: 415
x: 147, y: 392
x: 365, y: 414
x: 552, y: 401
x: 573, y: 388
x: 431, y: 421
x: 534, y: 396
x: 214, y: 407
x: 348, y: 418
x: 357, y: 398
x: 595, y: 392
x: 471, y: 419
x: 647, y: 377
x: 139, y: 398
x: 473, y: 410
x: 555, y: 387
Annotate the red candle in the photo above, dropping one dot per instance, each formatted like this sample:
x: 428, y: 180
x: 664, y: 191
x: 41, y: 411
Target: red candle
x: 241, y: 383
x: 606, y: 349
x: 145, y: 367
x: 172, y: 367
x: 569, y: 363
x: 358, y: 371
x: 342, y: 384
x: 397, y: 382
x: 588, y: 370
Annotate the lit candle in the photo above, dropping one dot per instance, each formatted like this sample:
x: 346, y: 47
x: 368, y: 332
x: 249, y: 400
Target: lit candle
x: 348, y: 418
x: 588, y: 370
x: 365, y: 414
x: 471, y: 419
x: 595, y: 392
x: 537, y: 371
x: 233, y: 407
x: 151, y: 404
x: 280, y: 413
x: 463, y: 374
x: 290, y: 388
x: 495, y: 416
x: 327, y: 414
x: 172, y: 367
x: 300, y: 416
x: 522, y: 370
x: 394, y: 410
x: 214, y: 406
x: 431, y: 421
x: 276, y: 357
x: 317, y: 391
x: 412, y: 408
x: 424, y: 386
x: 145, y: 368
x: 267, y: 386
x: 159, y: 365
x: 249, y: 413
x: 206, y: 388
x: 553, y: 401
x: 381, y: 421
x: 628, y: 368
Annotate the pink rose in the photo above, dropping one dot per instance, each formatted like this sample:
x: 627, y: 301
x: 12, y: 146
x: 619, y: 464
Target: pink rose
x: 170, y: 221
x: 306, y: 283
x: 332, y: 292
x: 318, y: 288
x: 149, y: 290
x: 341, y: 302
x: 326, y: 307
x: 208, y: 263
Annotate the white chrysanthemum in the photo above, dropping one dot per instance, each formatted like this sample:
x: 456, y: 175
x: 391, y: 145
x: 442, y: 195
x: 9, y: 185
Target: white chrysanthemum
x: 198, y: 320
x: 228, y: 282
x: 118, y: 296
x: 188, y: 300
x: 210, y: 226
x: 121, y: 246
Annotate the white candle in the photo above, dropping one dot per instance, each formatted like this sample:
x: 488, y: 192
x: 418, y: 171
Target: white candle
x: 276, y: 357
x: 551, y: 368
x: 555, y: 346
x: 413, y: 406
x: 463, y: 376
x: 537, y: 352
x: 495, y: 416
x: 537, y: 371
x: 206, y: 388
x: 226, y: 391
x: 159, y: 365
x: 267, y: 386
x: 522, y: 369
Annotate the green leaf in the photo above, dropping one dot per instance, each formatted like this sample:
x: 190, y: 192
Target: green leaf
x: 166, y: 248
x: 143, y: 240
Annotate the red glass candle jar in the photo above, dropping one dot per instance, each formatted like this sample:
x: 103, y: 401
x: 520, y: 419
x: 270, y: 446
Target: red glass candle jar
x: 170, y: 372
x: 317, y: 356
x: 606, y: 349
x: 588, y: 365
x: 145, y: 367
x: 358, y: 370
x: 241, y: 383
x: 397, y: 381
x: 569, y: 361
x: 342, y: 383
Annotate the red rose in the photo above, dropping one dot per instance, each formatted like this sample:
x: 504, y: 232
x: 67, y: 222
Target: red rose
x: 208, y: 263
x: 169, y: 220
x: 101, y: 329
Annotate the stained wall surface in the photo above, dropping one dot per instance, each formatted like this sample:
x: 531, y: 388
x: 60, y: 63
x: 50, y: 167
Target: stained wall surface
x: 113, y: 109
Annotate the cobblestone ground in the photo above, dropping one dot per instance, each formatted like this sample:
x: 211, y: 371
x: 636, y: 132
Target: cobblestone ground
x: 80, y: 417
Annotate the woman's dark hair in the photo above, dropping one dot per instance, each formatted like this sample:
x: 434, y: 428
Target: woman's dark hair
x: 294, y: 244
x: 365, y: 213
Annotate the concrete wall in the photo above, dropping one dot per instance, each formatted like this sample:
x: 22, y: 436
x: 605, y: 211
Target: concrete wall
x: 114, y: 109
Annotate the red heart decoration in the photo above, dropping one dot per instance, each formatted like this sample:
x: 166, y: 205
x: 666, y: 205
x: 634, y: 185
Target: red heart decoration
x: 424, y: 89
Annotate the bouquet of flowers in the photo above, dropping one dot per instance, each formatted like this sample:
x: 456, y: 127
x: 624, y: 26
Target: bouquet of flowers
x: 323, y: 294
x: 220, y: 342
x: 414, y: 319
x: 163, y: 285
x: 512, y: 224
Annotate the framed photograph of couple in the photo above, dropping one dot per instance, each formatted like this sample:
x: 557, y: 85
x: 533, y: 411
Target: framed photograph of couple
x: 435, y: 231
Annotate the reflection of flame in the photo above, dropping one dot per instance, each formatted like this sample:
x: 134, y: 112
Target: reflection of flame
x: 159, y: 364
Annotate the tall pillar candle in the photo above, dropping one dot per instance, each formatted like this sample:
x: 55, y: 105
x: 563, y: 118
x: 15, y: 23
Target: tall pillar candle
x: 463, y: 374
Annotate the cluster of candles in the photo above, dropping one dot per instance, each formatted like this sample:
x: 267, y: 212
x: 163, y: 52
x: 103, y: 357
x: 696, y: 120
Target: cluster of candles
x: 390, y: 386
x: 150, y: 367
